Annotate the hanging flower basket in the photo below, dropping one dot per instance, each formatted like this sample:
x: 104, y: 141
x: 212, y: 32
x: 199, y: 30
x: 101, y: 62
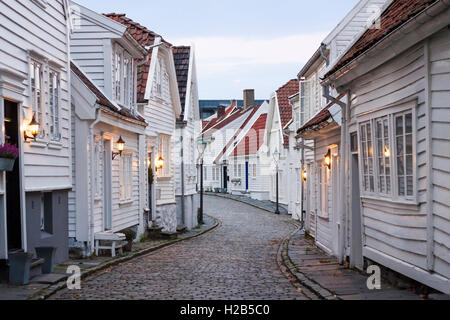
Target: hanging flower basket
x: 8, y: 156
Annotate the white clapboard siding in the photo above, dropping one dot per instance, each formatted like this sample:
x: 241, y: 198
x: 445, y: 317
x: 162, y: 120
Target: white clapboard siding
x: 42, y: 30
x: 440, y: 147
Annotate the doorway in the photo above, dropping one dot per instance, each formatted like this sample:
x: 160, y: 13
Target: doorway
x: 225, y: 178
x: 13, y: 209
x: 107, y: 194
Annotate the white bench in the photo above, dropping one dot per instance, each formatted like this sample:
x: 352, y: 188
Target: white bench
x: 116, y: 241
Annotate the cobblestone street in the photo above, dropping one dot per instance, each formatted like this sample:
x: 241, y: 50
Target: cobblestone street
x: 238, y: 260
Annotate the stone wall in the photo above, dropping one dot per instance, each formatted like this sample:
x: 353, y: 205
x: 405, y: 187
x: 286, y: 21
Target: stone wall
x: 166, y: 217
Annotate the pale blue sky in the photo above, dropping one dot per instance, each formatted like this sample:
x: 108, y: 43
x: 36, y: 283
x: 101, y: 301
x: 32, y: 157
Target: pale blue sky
x: 240, y: 44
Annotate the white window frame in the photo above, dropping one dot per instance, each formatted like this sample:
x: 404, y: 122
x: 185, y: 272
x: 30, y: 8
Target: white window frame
x: 164, y: 147
x: 123, y: 77
x: 55, y: 108
x: 390, y: 114
x: 323, y: 177
x: 38, y: 95
x: 126, y: 176
x: 98, y: 153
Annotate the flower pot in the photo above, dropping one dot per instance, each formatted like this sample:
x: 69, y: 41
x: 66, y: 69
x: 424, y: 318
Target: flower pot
x: 129, y: 246
x: 19, y: 267
x: 7, y: 164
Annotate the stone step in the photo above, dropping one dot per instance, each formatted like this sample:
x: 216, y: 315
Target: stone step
x: 36, y: 267
x: 169, y: 235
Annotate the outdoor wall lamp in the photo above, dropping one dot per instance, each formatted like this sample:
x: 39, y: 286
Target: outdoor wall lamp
x: 33, y: 128
x: 387, y: 152
x: 120, y: 147
x: 304, y: 175
x: 159, y: 163
x: 328, y: 159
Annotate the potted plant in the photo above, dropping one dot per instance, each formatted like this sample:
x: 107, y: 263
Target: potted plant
x: 8, y: 155
x: 130, y: 235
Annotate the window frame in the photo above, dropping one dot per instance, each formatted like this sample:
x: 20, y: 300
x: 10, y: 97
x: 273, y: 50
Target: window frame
x: 38, y: 110
x: 55, y: 112
x: 126, y: 176
x: 390, y: 114
x: 164, y: 151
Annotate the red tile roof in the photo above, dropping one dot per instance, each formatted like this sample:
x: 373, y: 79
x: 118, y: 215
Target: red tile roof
x: 101, y: 98
x: 219, y: 123
x: 284, y: 106
x: 319, y: 118
x: 181, y: 56
x: 254, y: 138
x: 393, y: 17
x: 146, y: 38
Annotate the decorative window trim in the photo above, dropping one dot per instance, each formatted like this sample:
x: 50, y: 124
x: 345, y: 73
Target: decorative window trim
x: 390, y: 114
x: 55, y: 118
x: 126, y: 176
x: 34, y: 61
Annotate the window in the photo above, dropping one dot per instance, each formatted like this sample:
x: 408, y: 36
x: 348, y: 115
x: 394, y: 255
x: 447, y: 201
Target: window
x: 98, y: 152
x: 218, y: 174
x: 324, y: 175
x: 123, y: 77
x: 214, y: 174
x: 205, y: 173
x: 37, y: 77
x: 126, y: 176
x: 404, y: 154
x: 164, y: 152
x: 389, y: 170
x: 367, y: 157
x: 383, y: 156
x: 254, y: 170
x: 54, y: 92
x: 46, y: 213
x: 239, y: 170
x: 158, y: 78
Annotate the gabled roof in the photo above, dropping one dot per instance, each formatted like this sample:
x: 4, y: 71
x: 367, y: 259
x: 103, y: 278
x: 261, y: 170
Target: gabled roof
x: 396, y: 14
x: 284, y: 105
x: 319, y: 118
x: 248, y: 117
x: 253, y: 140
x: 101, y: 98
x: 146, y: 38
x: 219, y: 123
x: 181, y: 56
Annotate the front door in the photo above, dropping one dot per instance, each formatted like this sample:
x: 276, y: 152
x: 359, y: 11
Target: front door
x: 13, y: 210
x: 107, y: 194
x: 225, y: 178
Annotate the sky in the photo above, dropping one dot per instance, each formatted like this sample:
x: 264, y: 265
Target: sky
x: 239, y: 44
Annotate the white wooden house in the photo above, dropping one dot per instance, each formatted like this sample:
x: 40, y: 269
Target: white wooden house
x: 223, y: 132
x: 319, y: 134
x: 188, y: 128
x: 107, y: 193
x: 34, y: 82
x: 279, y: 140
x: 397, y: 80
x: 159, y: 103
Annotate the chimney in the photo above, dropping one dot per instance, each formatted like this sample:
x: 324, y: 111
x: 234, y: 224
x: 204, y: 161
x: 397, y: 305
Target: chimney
x: 233, y: 102
x: 220, y: 111
x: 249, y: 98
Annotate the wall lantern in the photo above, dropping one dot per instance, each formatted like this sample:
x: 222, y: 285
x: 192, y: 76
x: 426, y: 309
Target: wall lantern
x: 33, y: 128
x: 328, y: 159
x: 387, y: 152
x: 304, y: 175
x: 120, y: 147
x: 159, y: 163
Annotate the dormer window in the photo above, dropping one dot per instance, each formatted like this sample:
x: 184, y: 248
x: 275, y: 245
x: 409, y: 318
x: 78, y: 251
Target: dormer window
x: 123, y: 79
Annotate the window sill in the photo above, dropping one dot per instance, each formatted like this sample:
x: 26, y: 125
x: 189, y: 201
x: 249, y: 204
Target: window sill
x: 163, y: 178
x: 125, y: 202
x: 55, y: 145
x: 38, y: 143
x: 372, y: 198
x: 326, y: 218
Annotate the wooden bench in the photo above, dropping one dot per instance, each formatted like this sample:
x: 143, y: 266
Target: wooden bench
x: 115, y: 241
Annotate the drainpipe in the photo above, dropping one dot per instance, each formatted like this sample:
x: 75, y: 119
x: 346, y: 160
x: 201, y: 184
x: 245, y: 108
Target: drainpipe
x: 91, y: 188
x: 182, y: 178
x: 342, y: 169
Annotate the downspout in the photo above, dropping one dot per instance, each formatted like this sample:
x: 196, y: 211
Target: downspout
x: 91, y: 185
x: 342, y: 169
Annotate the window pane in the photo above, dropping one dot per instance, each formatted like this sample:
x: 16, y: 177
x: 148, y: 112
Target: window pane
x: 388, y: 166
x: 409, y: 186
x: 409, y: 165
x: 372, y: 183
x: 408, y: 123
x: 401, y: 186
x: 400, y: 146
x: 381, y: 184
x: 399, y: 126
x: 409, y: 144
x: 388, y: 184
x: 400, y: 166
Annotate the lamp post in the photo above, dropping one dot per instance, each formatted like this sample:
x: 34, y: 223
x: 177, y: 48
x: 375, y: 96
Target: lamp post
x: 201, y: 146
x: 276, y: 157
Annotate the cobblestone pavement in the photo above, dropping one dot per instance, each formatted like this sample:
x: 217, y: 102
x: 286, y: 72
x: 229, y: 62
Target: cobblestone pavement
x: 238, y: 261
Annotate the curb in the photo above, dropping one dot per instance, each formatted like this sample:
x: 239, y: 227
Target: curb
x: 308, y: 283
x: 242, y: 201
x: 51, y: 290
